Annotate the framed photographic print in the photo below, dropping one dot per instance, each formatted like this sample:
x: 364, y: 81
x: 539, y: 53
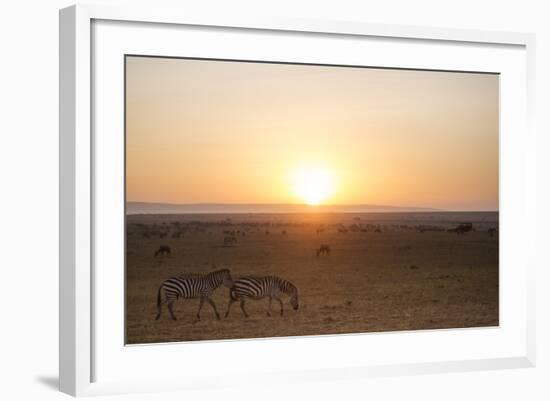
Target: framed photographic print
x: 343, y: 200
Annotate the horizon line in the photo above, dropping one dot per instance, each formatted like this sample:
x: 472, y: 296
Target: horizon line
x: 276, y: 204
x: 418, y: 209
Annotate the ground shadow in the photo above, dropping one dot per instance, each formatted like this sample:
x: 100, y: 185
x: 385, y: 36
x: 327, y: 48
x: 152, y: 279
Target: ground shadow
x: 49, y: 381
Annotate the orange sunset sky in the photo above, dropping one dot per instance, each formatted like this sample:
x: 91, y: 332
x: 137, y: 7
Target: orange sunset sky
x: 236, y: 132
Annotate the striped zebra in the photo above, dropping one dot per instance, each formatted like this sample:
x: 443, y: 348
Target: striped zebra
x: 192, y: 286
x: 260, y: 287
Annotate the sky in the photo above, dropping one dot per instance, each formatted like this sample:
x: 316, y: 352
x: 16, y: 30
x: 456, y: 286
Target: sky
x: 202, y: 131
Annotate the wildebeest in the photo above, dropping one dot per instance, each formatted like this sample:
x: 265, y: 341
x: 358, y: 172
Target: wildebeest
x: 229, y: 241
x: 164, y: 250
x: 323, y: 249
x: 462, y: 228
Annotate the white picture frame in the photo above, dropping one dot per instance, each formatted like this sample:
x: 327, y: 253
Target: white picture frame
x: 79, y: 345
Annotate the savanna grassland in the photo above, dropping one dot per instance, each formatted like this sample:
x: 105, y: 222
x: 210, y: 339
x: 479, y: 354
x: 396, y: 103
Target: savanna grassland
x: 384, y: 272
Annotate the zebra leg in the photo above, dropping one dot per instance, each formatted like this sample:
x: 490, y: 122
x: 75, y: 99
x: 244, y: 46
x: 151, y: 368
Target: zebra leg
x: 242, y: 308
x: 213, y: 305
x: 170, y: 305
x: 231, y: 301
x: 200, y: 307
x: 280, y: 302
x: 269, y: 307
x: 159, y: 310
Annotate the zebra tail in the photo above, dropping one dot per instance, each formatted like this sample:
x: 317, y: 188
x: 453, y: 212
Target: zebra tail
x: 159, y: 297
x: 232, y: 294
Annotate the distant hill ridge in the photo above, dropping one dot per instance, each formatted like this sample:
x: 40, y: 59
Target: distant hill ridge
x: 200, y: 208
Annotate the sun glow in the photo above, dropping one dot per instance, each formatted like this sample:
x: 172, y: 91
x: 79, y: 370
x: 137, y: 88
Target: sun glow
x: 313, y: 184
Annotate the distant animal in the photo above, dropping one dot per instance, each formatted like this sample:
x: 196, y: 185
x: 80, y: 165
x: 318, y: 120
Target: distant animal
x: 229, y: 241
x: 324, y: 249
x: 377, y: 230
x: 257, y: 288
x: 462, y: 228
x: 283, y: 232
x: 191, y: 286
x: 164, y: 250
x: 426, y: 228
x: 492, y: 231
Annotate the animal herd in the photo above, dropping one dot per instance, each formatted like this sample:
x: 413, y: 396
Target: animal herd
x: 179, y: 230
x: 202, y: 286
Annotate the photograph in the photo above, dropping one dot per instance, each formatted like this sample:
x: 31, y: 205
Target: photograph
x: 274, y: 199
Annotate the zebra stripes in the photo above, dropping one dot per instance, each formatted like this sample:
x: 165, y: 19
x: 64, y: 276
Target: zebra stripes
x: 260, y: 287
x: 192, y: 286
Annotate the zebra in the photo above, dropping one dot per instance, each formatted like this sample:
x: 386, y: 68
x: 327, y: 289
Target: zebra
x: 192, y: 286
x: 260, y: 287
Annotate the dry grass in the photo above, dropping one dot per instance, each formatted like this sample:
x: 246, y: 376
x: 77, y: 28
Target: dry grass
x: 397, y: 279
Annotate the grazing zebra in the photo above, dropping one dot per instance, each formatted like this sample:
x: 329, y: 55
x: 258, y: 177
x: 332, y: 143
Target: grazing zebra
x: 163, y: 250
x: 260, y: 287
x: 323, y: 249
x: 192, y: 286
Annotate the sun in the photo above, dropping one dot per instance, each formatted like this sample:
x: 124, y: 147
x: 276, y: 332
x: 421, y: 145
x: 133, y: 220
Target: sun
x: 313, y: 184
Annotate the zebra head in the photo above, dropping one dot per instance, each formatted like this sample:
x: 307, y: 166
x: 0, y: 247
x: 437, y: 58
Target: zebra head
x: 294, y: 298
x: 220, y: 277
x: 227, y: 280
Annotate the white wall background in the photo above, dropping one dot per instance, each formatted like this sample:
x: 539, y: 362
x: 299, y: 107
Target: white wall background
x: 29, y: 187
